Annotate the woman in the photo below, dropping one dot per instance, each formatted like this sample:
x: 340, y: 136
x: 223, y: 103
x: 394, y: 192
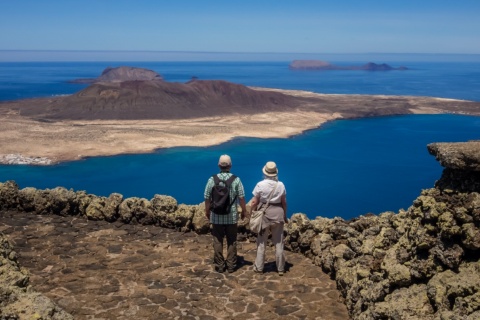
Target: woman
x: 274, y: 218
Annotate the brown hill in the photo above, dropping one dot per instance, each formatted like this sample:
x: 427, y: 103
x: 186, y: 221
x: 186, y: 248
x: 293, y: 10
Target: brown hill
x: 111, y: 97
x: 122, y: 74
x: 127, y: 74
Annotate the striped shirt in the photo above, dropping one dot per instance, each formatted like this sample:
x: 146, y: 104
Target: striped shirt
x: 236, y: 189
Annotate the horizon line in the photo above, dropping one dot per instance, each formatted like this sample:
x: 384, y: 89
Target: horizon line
x: 29, y: 55
x: 234, y: 52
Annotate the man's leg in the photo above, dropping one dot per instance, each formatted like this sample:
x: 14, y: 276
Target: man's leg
x: 231, y: 233
x: 218, y: 233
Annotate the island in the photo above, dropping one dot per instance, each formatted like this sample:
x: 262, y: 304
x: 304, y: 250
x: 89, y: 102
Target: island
x: 323, y: 65
x: 132, y: 110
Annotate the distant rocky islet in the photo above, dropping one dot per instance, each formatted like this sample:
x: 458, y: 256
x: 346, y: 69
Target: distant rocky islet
x: 323, y: 65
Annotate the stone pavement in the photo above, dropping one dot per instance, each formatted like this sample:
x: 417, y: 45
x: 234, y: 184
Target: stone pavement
x: 101, y: 270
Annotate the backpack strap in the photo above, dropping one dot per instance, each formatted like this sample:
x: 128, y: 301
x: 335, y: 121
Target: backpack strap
x: 230, y: 180
x: 216, y: 182
x: 229, y: 183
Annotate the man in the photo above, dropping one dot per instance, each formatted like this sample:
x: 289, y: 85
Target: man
x: 224, y: 224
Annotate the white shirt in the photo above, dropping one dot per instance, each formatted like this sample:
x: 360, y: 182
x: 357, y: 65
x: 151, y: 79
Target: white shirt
x: 263, y: 188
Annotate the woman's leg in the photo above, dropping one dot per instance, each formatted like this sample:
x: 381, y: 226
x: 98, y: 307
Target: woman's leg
x: 277, y: 239
x: 260, y: 259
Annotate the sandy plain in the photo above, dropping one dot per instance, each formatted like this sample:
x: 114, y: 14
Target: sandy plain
x: 66, y: 140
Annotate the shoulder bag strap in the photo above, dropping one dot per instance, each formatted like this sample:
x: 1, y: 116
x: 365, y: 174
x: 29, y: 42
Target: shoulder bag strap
x: 270, y: 197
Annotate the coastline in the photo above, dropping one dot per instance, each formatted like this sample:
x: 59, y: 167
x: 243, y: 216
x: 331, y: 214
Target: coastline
x: 76, y: 140
x: 33, y: 142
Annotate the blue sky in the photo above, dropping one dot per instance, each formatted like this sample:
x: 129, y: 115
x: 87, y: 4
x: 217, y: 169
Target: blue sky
x: 300, y: 26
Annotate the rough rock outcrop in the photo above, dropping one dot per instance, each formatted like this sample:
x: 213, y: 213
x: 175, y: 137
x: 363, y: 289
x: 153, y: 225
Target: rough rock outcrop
x: 17, y: 299
x: 422, y: 263
x: 460, y: 156
x: 161, y: 210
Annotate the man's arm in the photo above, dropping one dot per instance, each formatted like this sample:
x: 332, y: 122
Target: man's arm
x: 243, y: 206
x: 241, y: 198
x: 206, y: 195
x: 207, y: 209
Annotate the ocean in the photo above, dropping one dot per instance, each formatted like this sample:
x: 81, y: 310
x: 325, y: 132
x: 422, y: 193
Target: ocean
x: 344, y: 168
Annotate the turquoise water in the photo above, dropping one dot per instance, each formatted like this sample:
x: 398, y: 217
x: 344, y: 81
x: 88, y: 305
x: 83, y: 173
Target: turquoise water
x: 345, y: 168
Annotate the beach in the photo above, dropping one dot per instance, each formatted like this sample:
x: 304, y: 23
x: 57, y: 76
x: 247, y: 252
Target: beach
x: 32, y: 141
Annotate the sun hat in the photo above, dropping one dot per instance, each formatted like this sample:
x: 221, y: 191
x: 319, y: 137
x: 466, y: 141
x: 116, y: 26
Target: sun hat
x: 224, y: 161
x: 270, y: 169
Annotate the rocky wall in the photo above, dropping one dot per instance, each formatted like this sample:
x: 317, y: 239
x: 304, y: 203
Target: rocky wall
x: 18, y: 300
x: 421, y: 263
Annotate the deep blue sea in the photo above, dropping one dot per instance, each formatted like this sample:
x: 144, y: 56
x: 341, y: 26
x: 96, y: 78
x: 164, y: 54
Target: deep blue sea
x: 345, y: 168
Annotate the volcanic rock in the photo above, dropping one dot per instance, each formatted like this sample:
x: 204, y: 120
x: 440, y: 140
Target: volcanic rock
x: 18, y: 300
x: 464, y: 156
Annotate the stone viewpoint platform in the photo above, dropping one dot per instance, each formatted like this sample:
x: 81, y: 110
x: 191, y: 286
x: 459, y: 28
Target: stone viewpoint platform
x: 102, y: 270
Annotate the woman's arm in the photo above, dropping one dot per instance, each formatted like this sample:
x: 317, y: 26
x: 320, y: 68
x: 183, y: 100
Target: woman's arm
x: 284, y: 206
x: 253, y: 204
